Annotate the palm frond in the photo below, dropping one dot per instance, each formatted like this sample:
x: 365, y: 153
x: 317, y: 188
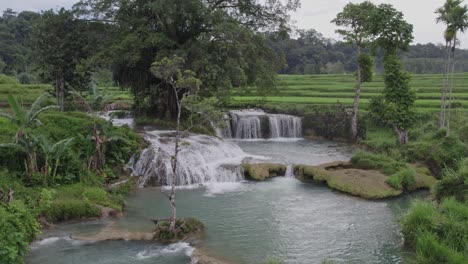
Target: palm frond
x: 13, y: 146
x: 33, y: 118
x: 7, y: 116
x: 18, y: 111
x: 37, y: 104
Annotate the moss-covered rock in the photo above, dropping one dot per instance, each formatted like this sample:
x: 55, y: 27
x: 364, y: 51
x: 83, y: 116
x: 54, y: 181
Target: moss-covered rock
x: 263, y: 171
x: 184, y: 228
x: 365, y: 183
x: 369, y: 184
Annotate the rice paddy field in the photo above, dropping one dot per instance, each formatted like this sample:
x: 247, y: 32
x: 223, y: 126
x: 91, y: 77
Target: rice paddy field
x: 308, y: 90
x: 298, y: 91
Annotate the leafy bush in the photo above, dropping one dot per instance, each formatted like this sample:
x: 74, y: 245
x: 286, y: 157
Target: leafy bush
x: 420, y: 217
x: 439, y: 234
x: 5, y: 79
x: 380, y: 140
x: 369, y: 161
x: 430, y: 251
x: 64, y: 210
x: 454, y: 183
x: 18, y: 228
x: 403, y: 180
x: 25, y: 78
x: 445, y: 154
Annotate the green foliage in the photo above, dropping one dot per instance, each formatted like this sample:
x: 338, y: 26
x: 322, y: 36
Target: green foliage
x: 454, y: 183
x: 380, y: 162
x: 431, y: 251
x: 5, y: 79
x: 25, y: 78
x: 366, y: 63
x: 18, y: 228
x: 439, y: 234
x: 403, y: 180
x: 420, y: 217
x: 71, y: 210
x: 396, y: 107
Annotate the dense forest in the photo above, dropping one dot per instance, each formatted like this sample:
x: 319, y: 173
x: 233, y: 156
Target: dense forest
x: 300, y: 52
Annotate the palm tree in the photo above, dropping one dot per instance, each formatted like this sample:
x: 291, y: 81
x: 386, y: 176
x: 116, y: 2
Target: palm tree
x: 102, y: 133
x: 53, y: 152
x: 459, y: 24
x: 455, y: 17
x: 25, y: 119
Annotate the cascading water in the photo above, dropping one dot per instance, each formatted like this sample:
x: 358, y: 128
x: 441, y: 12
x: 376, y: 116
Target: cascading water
x: 203, y: 159
x: 256, y: 124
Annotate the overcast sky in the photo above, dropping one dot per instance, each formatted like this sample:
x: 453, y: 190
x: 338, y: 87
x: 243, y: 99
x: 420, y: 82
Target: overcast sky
x: 315, y: 14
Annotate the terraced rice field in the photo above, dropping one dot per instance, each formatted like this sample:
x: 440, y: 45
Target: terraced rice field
x: 328, y: 89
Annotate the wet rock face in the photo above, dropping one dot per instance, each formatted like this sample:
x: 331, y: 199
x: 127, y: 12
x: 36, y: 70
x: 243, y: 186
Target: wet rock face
x: 263, y: 171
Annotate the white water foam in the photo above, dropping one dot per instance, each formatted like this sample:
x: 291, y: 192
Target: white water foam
x: 168, y: 250
x: 52, y: 240
x: 202, y: 160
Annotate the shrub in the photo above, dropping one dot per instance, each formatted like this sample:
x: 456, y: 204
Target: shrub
x: 445, y: 154
x: 18, y: 228
x: 25, y: 78
x: 5, y: 79
x: 430, y: 251
x: 64, y: 210
x: 454, y: 183
x: 369, y: 161
x: 420, y: 217
x: 403, y: 180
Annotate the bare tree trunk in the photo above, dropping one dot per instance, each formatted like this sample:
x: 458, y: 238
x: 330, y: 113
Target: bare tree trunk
x: 10, y: 196
x: 452, y: 73
x: 443, y: 99
x: 174, y: 167
x: 402, y: 135
x: 61, y: 94
x: 356, y: 100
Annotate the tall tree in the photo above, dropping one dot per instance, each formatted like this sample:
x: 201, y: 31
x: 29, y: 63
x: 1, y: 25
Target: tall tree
x: 355, y: 22
x: 218, y: 40
x: 455, y: 17
x: 396, y: 106
x: 185, y: 83
x: 61, y: 51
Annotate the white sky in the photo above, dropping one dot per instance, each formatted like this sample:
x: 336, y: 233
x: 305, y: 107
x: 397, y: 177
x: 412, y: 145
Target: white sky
x: 315, y: 14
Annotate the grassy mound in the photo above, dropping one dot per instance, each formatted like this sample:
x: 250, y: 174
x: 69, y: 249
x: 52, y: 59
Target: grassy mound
x: 369, y: 184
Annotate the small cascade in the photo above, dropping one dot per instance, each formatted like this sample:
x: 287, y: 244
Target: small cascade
x: 256, y: 124
x: 119, y: 121
x: 203, y: 159
x: 289, y: 171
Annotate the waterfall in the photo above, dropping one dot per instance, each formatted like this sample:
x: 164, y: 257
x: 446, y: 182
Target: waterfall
x: 203, y: 159
x: 256, y: 124
x: 289, y: 171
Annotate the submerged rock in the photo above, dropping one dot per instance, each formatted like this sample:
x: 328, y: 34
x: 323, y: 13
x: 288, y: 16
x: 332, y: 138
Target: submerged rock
x: 263, y: 171
x: 200, y: 257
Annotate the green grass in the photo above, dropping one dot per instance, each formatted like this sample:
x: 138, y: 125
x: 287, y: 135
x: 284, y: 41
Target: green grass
x: 309, y: 90
x: 27, y: 93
